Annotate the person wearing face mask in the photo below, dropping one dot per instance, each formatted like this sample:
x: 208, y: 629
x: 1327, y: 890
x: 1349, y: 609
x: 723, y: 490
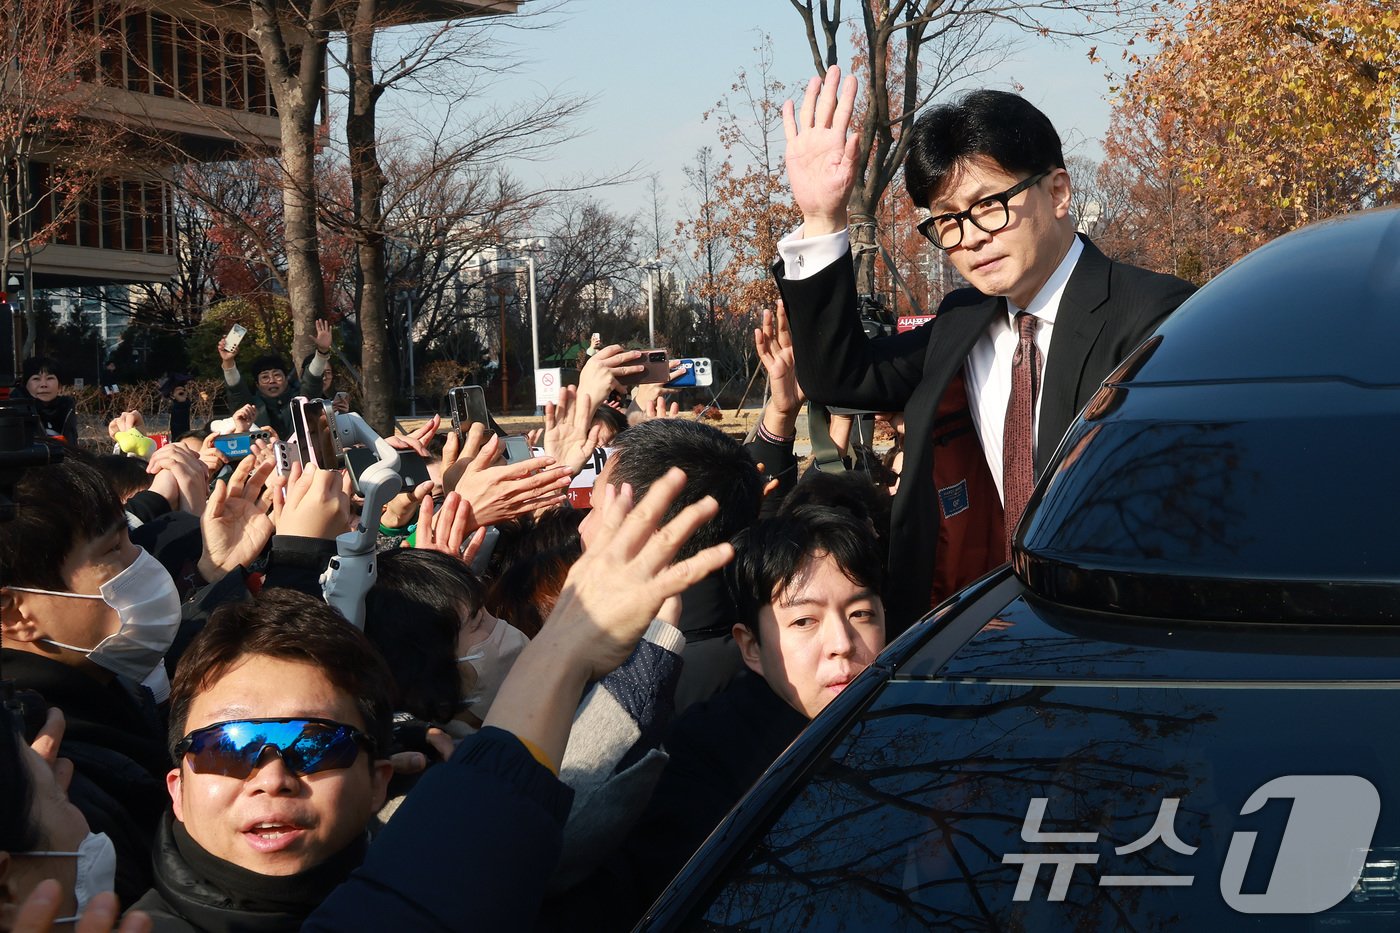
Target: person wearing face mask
x: 42, y: 834
x: 86, y: 618
x: 490, y: 646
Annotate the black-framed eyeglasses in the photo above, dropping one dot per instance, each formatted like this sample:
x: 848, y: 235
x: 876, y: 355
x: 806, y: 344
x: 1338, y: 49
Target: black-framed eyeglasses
x: 306, y: 746
x: 990, y: 215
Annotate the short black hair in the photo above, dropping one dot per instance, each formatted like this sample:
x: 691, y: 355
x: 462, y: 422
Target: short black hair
x: 41, y: 364
x: 127, y: 475
x: 775, y: 552
x: 1004, y: 127
x: 607, y: 415
x: 57, y: 508
x: 848, y: 490
x: 413, y: 615
x: 289, y: 626
x: 268, y: 361
x: 714, y: 463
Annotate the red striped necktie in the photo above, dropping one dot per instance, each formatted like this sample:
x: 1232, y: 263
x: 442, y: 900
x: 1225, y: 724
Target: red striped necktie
x: 1018, y: 438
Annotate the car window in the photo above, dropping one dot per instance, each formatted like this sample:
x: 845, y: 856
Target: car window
x: 956, y: 805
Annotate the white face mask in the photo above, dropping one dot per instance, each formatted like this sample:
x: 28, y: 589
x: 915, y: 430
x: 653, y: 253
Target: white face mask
x: 148, y: 605
x: 97, y: 869
x: 493, y: 659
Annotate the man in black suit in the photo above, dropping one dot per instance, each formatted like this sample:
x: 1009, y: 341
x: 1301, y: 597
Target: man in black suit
x: 1047, y: 318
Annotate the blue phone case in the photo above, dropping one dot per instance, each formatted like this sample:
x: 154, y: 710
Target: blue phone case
x: 686, y: 379
x: 234, y: 446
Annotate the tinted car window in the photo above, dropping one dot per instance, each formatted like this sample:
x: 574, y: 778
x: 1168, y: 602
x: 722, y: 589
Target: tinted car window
x: 909, y: 823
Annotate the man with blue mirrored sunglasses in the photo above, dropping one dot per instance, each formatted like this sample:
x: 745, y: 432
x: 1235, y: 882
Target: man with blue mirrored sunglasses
x: 279, y: 712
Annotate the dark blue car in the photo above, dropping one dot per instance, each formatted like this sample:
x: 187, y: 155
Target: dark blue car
x: 1174, y: 710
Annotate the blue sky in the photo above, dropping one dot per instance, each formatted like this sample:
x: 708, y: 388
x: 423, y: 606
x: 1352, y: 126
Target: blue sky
x: 653, y: 67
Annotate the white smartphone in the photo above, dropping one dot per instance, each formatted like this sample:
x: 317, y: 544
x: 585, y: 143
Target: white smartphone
x: 234, y: 337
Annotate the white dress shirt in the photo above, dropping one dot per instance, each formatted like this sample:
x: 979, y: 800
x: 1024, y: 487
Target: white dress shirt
x: 988, y: 372
x: 988, y: 368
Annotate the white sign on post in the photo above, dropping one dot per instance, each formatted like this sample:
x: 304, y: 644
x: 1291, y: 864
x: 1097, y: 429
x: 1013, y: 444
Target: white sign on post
x: 547, y: 383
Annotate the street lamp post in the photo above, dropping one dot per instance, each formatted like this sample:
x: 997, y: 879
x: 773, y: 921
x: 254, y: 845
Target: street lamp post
x: 529, y: 260
x: 412, y: 376
x: 651, y: 303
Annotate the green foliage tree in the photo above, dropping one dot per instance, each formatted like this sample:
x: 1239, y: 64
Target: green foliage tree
x: 269, y: 325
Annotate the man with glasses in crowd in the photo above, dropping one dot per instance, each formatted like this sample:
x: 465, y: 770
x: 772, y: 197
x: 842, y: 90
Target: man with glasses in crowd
x: 1013, y: 358
x: 279, y: 726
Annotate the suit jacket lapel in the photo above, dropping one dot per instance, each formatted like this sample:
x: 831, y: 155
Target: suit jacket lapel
x: 1077, y: 325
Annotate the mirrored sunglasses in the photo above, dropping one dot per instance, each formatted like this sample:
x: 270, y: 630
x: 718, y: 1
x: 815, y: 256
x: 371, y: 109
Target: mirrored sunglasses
x: 306, y: 746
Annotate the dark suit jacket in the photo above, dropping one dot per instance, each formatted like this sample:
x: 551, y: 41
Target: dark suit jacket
x: 1108, y: 308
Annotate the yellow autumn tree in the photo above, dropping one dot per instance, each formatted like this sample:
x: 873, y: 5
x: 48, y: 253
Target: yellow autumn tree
x: 1274, y: 113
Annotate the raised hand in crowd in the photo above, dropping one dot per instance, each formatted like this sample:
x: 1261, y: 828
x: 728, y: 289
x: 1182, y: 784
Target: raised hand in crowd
x: 496, y: 493
x: 604, y: 371
x: 649, y: 401
x: 180, y: 476
x: 228, y: 358
x: 445, y: 528
x: 657, y: 408
x: 611, y: 595
x: 821, y: 155
x: 570, y: 436
x: 417, y: 441
x: 243, y: 418
x: 459, y: 452
x: 399, y: 511
x: 317, y: 503
x: 40, y: 909
x: 773, y: 340
x: 235, y: 524
x: 212, y: 458
x: 322, y: 336
x: 126, y: 421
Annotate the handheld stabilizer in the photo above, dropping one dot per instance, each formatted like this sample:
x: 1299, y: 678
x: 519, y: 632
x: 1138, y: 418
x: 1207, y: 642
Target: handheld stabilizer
x: 354, y: 569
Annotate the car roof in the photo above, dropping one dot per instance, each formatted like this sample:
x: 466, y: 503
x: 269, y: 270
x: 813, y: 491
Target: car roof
x: 1239, y: 464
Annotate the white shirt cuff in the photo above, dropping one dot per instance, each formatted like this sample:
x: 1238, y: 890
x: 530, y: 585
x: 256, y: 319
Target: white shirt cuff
x: 804, y: 258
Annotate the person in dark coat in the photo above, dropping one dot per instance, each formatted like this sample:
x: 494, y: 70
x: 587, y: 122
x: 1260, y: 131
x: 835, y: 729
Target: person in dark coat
x: 1015, y: 356
x: 86, y: 617
x: 40, y: 381
x: 272, y: 395
x: 806, y: 586
x: 716, y: 465
x: 271, y: 804
x: 176, y: 387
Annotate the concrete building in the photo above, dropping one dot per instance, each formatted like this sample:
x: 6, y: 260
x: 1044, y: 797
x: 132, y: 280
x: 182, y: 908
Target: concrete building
x: 185, y: 72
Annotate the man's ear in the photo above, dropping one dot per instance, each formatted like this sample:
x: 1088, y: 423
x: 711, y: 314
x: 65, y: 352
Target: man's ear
x: 16, y: 624
x: 1061, y: 191
x: 173, y: 787
x: 748, y: 647
x: 382, y: 771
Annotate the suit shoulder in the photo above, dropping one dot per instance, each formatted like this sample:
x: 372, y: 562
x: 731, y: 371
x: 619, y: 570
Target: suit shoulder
x: 1147, y: 283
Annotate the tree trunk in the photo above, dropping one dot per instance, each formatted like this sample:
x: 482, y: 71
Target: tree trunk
x: 298, y: 93
x: 367, y: 187
x: 306, y: 290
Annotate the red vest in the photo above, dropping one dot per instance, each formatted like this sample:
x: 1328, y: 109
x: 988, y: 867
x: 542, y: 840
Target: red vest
x: 970, y: 534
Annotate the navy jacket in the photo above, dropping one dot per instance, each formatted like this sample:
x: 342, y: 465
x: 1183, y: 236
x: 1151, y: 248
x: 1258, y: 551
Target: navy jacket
x: 471, y: 848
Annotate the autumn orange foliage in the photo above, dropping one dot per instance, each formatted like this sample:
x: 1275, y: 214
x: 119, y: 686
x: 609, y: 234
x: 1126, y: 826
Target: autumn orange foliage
x: 1256, y: 117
